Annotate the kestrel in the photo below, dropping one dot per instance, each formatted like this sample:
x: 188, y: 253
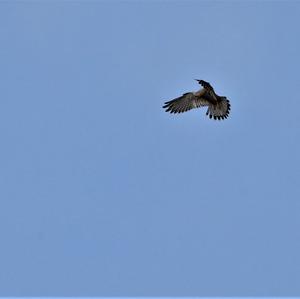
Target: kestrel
x: 218, y: 106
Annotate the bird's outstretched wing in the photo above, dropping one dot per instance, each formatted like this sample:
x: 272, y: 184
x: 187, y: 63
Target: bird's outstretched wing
x: 184, y: 103
x: 206, y: 85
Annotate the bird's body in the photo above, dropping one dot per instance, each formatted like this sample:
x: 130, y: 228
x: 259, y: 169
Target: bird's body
x: 218, y: 106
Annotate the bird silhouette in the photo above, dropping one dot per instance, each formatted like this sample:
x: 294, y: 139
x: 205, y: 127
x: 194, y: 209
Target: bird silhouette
x: 218, y: 106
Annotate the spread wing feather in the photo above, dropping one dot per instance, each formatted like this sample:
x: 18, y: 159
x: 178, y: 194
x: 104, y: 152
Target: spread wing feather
x: 184, y: 103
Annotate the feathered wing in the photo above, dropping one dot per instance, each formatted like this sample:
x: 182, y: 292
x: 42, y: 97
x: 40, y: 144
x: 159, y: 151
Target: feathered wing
x: 219, y: 110
x: 206, y: 85
x: 185, y: 103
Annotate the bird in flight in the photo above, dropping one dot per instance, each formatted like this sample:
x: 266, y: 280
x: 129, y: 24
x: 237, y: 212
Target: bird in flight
x: 218, y: 106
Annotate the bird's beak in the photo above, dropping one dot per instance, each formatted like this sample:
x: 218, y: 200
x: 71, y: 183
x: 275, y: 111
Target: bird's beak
x: 197, y: 80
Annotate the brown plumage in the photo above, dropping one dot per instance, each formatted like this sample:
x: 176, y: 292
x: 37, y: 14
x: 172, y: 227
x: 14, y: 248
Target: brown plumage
x: 218, y: 106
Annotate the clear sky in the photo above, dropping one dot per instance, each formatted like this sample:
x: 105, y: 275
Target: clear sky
x: 102, y: 193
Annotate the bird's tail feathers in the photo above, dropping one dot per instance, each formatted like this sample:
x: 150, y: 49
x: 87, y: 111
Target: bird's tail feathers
x: 220, y: 110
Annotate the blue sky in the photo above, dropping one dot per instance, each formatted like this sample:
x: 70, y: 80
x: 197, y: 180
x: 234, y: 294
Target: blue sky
x: 102, y: 193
